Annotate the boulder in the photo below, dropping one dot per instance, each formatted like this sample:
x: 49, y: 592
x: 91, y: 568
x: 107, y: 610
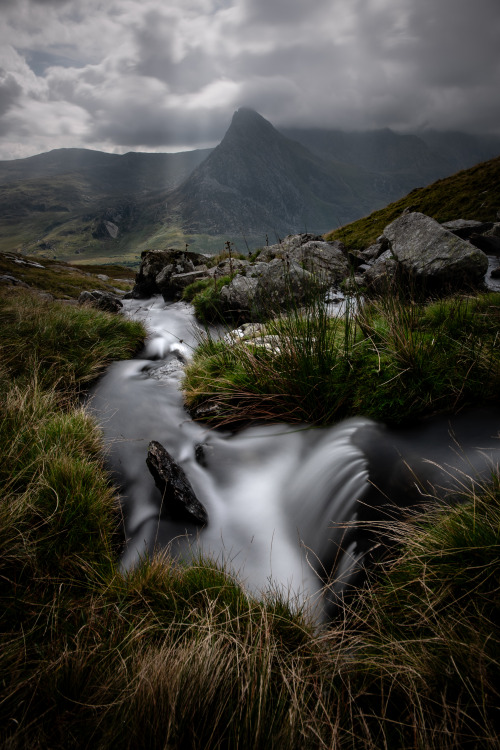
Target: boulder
x: 7, y: 278
x: 101, y: 300
x: 228, y: 267
x: 431, y: 255
x: 179, y: 501
x: 171, y: 284
x: 489, y: 242
x: 290, y: 243
x: 238, y: 296
x: 327, y: 261
x: 379, y: 277
x: 464, y: 228
x: 281, y: 282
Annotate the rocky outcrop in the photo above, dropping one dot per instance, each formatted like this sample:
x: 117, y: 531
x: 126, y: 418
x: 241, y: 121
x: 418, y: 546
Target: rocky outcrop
x: 179, y: 501
x: 414, y: 249
x: 157, y: 269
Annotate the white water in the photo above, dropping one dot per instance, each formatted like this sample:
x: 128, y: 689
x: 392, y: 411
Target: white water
x: 277, y: 497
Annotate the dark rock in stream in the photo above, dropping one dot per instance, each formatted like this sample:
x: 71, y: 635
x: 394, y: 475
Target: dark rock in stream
x: 178, y: 499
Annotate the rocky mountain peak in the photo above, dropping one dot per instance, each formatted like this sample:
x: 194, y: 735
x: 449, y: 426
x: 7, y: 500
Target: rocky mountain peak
x: 247, y: 123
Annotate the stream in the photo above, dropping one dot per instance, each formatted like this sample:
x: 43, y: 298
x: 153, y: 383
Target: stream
x: 286, y: 505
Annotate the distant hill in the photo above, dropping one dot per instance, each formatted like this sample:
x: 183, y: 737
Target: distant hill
x: 60, y: 203
x: 470, y: 194
x: 92, y: 206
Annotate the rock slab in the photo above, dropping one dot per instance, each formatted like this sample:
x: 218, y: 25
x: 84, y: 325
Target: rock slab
x: 179, y: 500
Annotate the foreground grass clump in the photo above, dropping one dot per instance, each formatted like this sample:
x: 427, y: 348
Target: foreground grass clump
x: 426, y: 636
x: 392, y: 360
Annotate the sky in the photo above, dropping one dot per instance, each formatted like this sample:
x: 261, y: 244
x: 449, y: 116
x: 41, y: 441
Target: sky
x: 167, y: 75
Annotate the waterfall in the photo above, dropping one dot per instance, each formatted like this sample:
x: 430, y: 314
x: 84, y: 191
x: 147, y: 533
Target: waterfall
x: 279, y: 498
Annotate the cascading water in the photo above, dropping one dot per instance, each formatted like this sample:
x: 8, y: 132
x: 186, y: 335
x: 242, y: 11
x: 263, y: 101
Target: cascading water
x: 278, y: 498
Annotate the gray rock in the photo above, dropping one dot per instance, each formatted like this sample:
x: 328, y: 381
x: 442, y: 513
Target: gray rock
x: 464, y: 228
x: 228, y: 267
x: 172, y: 284
x: 162, y: 263
x: 326, y: 260
x: 101, y: 300
x: 179, y: 501
x: 489, y: 242
x: 290, y: 243
x: 374, y: 251
x: 280, y: 283
x: 238, y: 296
x: 10, y: 280
x: 381, y: 275
x: 432, y: 255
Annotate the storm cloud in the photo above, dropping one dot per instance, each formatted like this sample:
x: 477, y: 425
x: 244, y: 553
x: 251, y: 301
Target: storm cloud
x: 155, y: 75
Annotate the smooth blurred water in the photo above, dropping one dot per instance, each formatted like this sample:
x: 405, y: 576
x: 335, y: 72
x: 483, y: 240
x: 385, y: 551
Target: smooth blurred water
x: 280, y: 499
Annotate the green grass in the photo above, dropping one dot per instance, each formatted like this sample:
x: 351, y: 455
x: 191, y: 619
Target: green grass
x: 394, y: 360
x: 174, y: 656
x: 470, y: 194
x: 64, y: 281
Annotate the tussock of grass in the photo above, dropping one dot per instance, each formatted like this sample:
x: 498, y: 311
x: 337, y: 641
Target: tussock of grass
x: 205, y: 296
x: 394, y: 360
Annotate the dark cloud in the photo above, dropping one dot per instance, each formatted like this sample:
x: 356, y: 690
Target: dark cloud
x: 284, y: 12
x: 10, y: 91
x: 156, y: 42
x: 130, y: 125
x: 156, y: 74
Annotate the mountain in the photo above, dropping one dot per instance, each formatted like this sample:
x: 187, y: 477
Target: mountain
x: 76, y: 201
x: 405, y: 160
x: 131, y: 173
x: 258, y: 181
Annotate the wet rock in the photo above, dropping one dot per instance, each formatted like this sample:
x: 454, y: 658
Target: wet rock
x: 179, y: 501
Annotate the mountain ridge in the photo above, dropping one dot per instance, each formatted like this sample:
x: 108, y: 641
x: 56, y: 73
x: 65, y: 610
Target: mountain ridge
x: 258, y: 181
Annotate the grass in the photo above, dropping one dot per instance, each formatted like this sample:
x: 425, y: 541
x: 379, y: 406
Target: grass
x: 179, y: 656
x: 64, y: 281
x: 393, y: 360
x: 470, y: 194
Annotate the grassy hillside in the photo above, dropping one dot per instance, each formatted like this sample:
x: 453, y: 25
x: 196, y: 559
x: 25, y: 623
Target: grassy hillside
x: 469, y: 194
x: 62, y: 280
